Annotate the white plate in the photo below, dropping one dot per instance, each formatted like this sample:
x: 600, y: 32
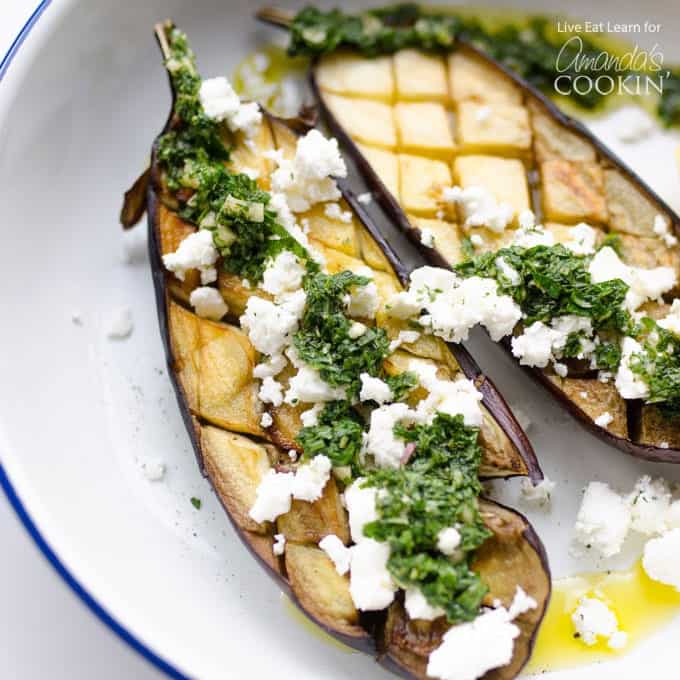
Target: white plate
x: 80, y: 414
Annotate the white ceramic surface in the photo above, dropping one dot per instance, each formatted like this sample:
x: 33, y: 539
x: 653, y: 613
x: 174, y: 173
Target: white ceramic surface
x: 80, y: 414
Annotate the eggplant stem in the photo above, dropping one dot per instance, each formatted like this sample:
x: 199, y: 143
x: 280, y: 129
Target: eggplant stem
x: 275, y: 16
x: 161, y: 30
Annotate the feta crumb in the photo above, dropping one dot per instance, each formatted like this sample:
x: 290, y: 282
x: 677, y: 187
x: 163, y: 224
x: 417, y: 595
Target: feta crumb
x: 560, y: 369
x: 427, y: 237
x: 407, y: 337
x: 661, y: 559
x: 271, y: 367
x: 535, y: 235
x: 196, y: 251
x: 266, y: 420
x: 334, y: 212
x: 470, y: 649
x: 310, y: 479
x: 308, y: 386
x: 510, y: 273
x: 271, y: 392
x: 283, y: 274
x: 629, y: 384
x: 310, y: 417
x: 365, y: 198
x: 279, y: 544
x: 593, y: 619
x: 221, y: 103
x: 604, y: 419
x: 251, y: 173
x: 356, y: 330
x: 308, y: 178
x: 374, y: 389
x: 273, y: 496
x: 417, y: 606
x: 386, y: 448
x: 476, y: 240
x: 526, y: 220
x: 154, y: 470
x: 370, y: 584
x: 448, y: 540
x: 360, y: 504
x: 337, y: 551
x: 538, y: 494
x: 119, y: 325
x: 479, y: 207
x: 208, y: 303
x: 662, y: 230
x: 293, y: 455
x: 671, y: 322
x: 582, y: 239
x: 603, y: 520
x: 664, y: 445
x: 364, y: 300
x: 650, y: 502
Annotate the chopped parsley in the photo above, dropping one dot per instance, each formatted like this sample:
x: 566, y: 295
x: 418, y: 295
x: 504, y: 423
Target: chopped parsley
x: 437, y: 489
x: 196, y: 502
x: 533, y: 49
x: 193, y: 155
x: 324, y: 341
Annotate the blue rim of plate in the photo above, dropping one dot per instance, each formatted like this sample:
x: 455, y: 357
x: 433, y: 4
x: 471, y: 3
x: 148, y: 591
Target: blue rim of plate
x: 22, y: 513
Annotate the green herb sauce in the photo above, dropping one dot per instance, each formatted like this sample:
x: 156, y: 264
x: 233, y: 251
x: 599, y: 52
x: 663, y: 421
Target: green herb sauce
x: 195, y: 160
x: 529, y: 49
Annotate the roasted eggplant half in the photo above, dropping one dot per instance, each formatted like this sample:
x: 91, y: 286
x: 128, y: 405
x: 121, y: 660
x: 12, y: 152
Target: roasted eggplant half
x: 242, y: 438
x: 420, y: 122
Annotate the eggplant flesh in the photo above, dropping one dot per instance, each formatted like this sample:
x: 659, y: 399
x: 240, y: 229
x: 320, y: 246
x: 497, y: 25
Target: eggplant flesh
x: 516, y: 143
x: 210, y: 365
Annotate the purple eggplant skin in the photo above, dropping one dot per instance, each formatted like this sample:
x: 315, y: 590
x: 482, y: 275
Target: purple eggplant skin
x: 260, y: 546
x: 394, y: 210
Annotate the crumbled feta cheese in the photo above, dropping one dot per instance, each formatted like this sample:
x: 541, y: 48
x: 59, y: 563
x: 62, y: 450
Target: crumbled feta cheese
x: 360, y: 504
x: 310, y: 417
x: 279, y: 544
x: 470, y: 649
x: 526, y: 220
x: 308, y: 178
x: 662, y: 230
x: 603, y: 519
x: 582, y: 239
x: 266, y: 420
x: 634, y: 124
x: 364, y: 301
x: 671, y: 322
x: 208, y: 303
x: 661, y: 559
x: 448, y: 540
x: 251, y: 173
x: 483, y: 113
x: 221, y: 103
x: 283, y: 274
x: 271, y: 367
x: 273, y: 496
x: 427, y: 237
x: 310, y: 479
x: 271, y: 326
x: 644, y: 284
x: 454, y: 306
x: 356, y: 330
x: 534, y: 235
x: 593, y: 619
x: 386, y: 448
x: 521, y: 603
x: 337, y: 551
x: 271, y: 392
x: 407, y: 337
x: 308, y: 386
x: 196, y: 251
x: 370, y: 584
x: 538, y: 494
x: 293, y: 454
x: 629, y: 384
x: 561, y: 369
x: 604, y: 419
x: 535, y: 346
x: 334, y: 212
x: 365, y: 198
x: 476, y: 240
x: 154, y: 470
x: 417, y: 606
x: 119, y: 325
x: 650, y: 503
x: 510, y: 273
x: 664, y: 445
x: 279, y: 204
x: 374, y: 389
x: 479, y: 207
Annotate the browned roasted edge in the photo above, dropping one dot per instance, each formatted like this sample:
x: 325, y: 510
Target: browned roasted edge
x: 393, y: 209
x: 531, y: 537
